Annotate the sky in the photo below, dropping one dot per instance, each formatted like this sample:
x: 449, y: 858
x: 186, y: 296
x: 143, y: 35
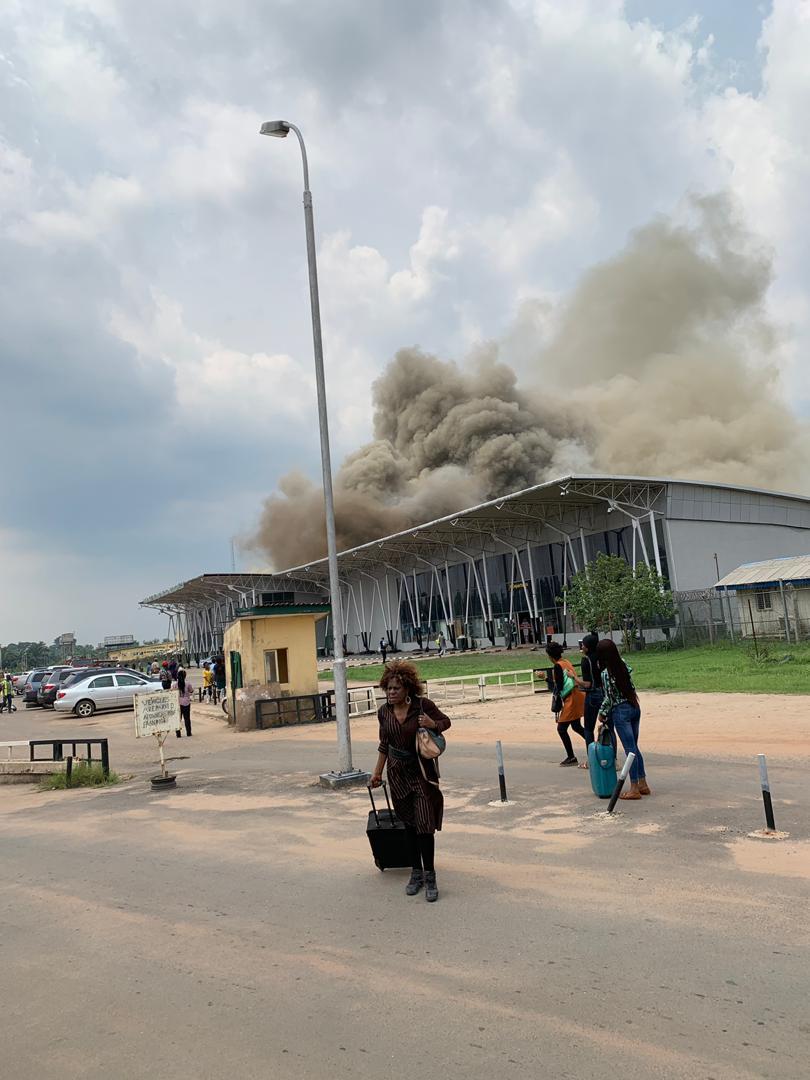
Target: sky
x: 465, y: 156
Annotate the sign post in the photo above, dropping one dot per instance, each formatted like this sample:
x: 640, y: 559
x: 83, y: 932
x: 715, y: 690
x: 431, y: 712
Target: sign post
x: 158, y: 713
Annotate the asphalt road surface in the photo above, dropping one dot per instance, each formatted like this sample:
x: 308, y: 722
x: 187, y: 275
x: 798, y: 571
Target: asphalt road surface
x: 238, y: 928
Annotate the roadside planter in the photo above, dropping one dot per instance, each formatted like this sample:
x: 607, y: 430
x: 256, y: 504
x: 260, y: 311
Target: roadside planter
x: 157, y: 714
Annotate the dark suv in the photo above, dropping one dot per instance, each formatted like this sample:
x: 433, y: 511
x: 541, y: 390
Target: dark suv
x: 53, y: 683
x: 32, y: 686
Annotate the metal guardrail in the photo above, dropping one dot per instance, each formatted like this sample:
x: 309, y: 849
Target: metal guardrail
x: 487, y: 686
x: 57, y: 750
x: 362, y: 700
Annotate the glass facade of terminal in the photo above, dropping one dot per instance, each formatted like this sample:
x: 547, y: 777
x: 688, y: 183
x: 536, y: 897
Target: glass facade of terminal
x: 424, y: 612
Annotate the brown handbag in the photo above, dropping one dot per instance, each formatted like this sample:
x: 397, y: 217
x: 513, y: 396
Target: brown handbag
x: 429, y: 744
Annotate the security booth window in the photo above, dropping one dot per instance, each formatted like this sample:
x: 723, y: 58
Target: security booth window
x: 275, y: 666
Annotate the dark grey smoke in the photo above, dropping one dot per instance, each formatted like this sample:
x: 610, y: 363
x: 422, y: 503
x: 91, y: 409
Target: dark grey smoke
x: 662, y: 362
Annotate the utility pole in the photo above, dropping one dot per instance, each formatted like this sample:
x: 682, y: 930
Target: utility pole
x: 345, y: 773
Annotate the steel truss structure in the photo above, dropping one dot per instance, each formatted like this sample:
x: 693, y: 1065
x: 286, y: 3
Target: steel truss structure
x: 379, y: 579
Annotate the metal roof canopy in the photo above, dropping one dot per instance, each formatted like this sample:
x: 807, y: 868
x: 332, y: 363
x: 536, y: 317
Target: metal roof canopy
x: 788, y: 570
x: 212, y: 589
x: 560, y: 511
x: 553, y: 511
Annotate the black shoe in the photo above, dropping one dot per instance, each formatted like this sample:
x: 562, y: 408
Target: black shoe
x: 570, y: 761
x: 415, y: 884
x: 431, y: 889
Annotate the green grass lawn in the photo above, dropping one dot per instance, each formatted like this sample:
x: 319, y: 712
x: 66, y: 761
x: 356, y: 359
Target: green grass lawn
x: 781, y: 668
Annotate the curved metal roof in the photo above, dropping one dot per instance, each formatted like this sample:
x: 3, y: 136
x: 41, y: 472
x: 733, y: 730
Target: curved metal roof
x: 554, y: 510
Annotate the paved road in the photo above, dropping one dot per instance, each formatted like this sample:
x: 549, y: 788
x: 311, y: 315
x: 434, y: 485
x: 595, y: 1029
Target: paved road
x: 237, y: 928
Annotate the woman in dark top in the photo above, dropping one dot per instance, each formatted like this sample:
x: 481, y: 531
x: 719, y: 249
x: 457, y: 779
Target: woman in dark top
x: 591, y: 683
x: 418, y: 801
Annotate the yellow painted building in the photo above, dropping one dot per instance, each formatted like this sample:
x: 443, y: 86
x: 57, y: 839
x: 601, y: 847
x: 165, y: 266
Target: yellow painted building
x: 277, y: 644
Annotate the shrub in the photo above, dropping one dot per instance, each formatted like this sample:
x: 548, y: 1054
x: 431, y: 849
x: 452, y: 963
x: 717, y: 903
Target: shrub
x: 83, y: 775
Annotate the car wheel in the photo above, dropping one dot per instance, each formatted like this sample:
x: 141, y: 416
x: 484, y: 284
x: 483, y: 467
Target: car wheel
x: 85, y: 708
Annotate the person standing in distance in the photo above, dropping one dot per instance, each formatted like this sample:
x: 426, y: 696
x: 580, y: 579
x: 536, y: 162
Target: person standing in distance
x: 417, y: 798
x: 621, y: 709
x: 219, y: 675
x: 383, y: 649
x: 208, y: 681
x: 183, y: 686
x: 7, y: 688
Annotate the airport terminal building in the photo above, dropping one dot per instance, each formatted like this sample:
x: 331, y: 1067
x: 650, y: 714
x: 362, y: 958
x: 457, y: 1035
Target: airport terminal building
x: 496, y: 571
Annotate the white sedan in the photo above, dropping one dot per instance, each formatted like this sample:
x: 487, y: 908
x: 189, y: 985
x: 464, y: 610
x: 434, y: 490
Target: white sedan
x: 95, y: 692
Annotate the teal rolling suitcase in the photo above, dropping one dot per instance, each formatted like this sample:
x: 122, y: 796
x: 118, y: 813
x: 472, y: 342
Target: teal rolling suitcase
x: 602, y: 764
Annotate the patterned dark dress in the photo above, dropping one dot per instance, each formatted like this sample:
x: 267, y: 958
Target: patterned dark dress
x: 416, y: 802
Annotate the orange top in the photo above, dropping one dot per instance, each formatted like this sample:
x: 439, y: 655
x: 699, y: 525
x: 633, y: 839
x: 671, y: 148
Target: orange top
x: 574, y: 705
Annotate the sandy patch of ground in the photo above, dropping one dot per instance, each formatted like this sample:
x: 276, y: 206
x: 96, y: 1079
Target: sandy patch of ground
x: 723, y: 724
x: 785, y: 859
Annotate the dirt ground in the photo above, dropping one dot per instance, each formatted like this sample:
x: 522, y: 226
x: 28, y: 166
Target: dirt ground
x: 237, y: 926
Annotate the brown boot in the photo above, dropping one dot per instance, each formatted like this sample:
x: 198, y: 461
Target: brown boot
x: 633, y: 793
x: 644, y: 787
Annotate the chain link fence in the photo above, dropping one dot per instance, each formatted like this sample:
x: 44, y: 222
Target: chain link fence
x: 709, y: 616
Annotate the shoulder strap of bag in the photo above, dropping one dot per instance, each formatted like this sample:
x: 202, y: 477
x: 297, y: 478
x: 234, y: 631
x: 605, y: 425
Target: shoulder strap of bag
x: 428, y: 780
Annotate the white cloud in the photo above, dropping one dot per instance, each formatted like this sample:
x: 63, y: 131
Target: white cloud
x: 88, y: 214
x: 216, y: 153
x: 359, y: 277
x: 16, y: 171
x: 558, y: 208
x: 209, y: 379
x: 765, y: 143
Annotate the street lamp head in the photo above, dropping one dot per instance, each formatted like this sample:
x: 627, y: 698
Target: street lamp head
x: 279, y: 128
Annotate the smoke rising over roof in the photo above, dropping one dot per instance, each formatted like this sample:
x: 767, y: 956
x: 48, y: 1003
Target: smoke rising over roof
x: 661, y: 363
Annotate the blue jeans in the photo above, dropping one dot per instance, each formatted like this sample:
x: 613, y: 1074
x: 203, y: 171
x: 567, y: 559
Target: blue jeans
x: 626, y: 719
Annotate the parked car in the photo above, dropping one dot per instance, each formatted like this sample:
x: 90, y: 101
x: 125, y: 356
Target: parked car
x: 76, y: 674
x: 32, y: 685
x: 46, y: 695
x: 19, y: 681
x: 93, y: 692
x: 46, y: 691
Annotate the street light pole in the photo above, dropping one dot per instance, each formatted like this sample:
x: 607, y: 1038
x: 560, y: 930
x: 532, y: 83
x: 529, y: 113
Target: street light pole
x: 345, y: 773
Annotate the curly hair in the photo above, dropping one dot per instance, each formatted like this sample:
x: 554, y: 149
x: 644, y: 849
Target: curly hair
x: 407, y: 675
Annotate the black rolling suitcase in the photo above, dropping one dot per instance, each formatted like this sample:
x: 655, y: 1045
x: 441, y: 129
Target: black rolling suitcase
x: 386, y: 834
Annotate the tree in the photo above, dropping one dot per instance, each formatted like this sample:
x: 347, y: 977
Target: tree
x: 24, y: 654
x: 609, y: 593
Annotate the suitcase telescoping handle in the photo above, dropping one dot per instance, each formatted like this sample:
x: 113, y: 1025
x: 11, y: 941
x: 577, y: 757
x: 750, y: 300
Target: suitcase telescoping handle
x: 384, y: 786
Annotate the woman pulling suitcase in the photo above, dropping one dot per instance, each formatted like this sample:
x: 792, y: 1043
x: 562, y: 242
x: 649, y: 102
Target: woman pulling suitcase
x: 418, y: 801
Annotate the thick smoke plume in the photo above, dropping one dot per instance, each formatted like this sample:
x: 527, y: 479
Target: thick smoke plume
x: 661, y: 363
